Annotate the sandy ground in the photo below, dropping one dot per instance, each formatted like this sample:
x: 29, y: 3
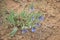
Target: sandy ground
x: 50, y: 27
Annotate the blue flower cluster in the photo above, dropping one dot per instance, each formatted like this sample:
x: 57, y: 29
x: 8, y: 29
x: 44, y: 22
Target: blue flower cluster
x: 25, y: 30
x: 33, y: 29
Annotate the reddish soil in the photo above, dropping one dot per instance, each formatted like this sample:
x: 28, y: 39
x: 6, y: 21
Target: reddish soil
x: 50, y: 28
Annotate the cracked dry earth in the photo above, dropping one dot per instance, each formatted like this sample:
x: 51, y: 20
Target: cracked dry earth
x: 50, y: 27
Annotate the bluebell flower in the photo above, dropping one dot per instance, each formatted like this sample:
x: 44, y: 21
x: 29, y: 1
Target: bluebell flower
x: 24, y: 31
x: 41, y: 18
x: 33, y: 29
x: 37, y: 24
x: 32, y: 9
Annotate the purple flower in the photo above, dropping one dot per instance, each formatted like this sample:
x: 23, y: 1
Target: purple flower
x: 32, y: 9
x: 33, y: 29
x: 37, y: 25
x: 41, y: 18
x: 24, y: 31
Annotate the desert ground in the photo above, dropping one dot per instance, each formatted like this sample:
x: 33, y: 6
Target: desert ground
x: 50, y: 27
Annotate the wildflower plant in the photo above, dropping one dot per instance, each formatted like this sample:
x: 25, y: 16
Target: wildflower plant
x: 24, y: 21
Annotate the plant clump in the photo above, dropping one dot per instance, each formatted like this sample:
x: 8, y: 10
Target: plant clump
x: 24, y: 21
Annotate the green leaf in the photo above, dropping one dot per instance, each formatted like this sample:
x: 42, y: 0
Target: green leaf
x: 14, y: 31
x: 39, y: 14
x: 11, y: 17
x: 31, y: 5
x: 23, y: 14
